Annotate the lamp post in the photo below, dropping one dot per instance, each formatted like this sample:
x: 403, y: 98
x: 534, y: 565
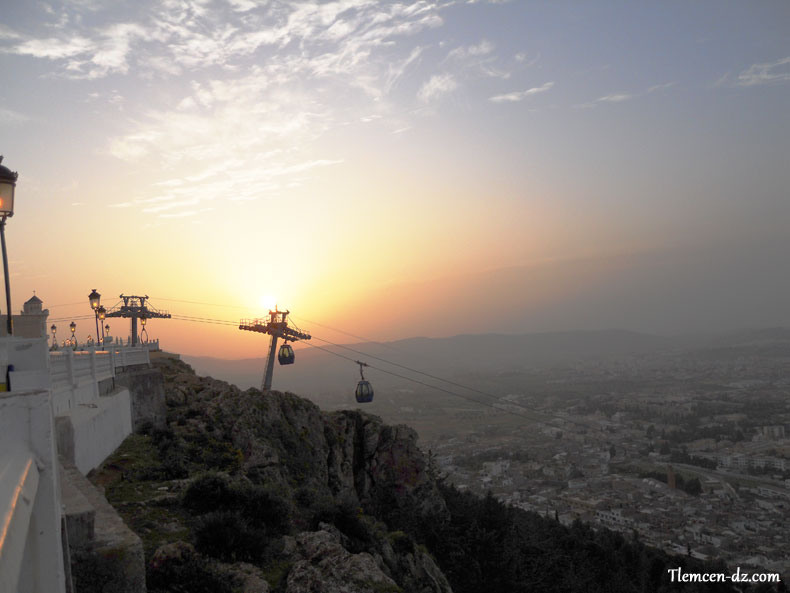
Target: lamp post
x: 73, y: 328
x: 7, y: 184
x: 102, y: 313
x: 53, y: 329
x: 107, y: 329
x: 94, y: 298
x: 143, y: 331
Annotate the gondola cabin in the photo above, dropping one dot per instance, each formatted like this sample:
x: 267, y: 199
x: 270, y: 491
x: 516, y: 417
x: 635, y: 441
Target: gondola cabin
x: 286, y: 354
x: 364, y: 392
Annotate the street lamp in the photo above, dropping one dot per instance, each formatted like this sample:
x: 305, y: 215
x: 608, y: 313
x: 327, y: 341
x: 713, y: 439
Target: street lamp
x: 94, y: 298
x: 7, y: 184
x: 73, y: 328
x: 102, y: 313
x: 143, y: 331
x: 53, y: 329
x: 107, y: 329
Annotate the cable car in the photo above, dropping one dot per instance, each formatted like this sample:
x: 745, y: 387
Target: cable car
x: 286, y: 354
x: 364, y: 390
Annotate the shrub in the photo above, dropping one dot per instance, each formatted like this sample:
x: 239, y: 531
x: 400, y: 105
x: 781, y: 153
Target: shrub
x: 209, y: 492
x: 228, y: 536
x: 175, y: 463
x: 193, y: 574
x: 402, y: 542
x: 264, y: 507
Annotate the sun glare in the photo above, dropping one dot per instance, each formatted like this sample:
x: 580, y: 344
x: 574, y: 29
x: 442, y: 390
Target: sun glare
x: 268, y: 302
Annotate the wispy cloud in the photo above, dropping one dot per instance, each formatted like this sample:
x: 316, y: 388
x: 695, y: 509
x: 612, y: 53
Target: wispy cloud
x: 437, y: 86
x: 52, y: 48
x: 776, y: 72
x: 623, y: 97
x: 8, y: 116
x: 521, y: 95
x: 615, y: 98
x: 250, y: 85
x: 661, y: 87
x: 483, y: 48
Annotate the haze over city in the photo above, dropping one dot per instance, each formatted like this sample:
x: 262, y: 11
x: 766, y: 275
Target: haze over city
x: 400, y: 169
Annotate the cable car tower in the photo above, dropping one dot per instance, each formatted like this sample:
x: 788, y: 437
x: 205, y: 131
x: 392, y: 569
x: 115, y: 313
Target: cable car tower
x: 277, y: 327
x: 135, y: 307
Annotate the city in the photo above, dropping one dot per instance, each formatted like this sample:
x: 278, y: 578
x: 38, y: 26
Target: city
x: 686, y: 451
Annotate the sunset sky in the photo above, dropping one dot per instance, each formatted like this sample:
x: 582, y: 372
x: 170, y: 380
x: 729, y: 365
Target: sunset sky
x: 401, y: 168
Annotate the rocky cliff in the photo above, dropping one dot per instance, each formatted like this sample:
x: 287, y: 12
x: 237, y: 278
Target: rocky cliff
x: 251, y: 492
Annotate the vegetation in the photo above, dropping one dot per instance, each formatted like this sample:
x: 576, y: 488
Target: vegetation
x: 488, y: 546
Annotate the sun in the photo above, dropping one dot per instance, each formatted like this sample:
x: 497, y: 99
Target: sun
x: 268, y: 302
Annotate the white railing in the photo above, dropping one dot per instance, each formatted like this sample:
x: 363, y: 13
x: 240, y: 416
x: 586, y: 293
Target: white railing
x: 75, y: 374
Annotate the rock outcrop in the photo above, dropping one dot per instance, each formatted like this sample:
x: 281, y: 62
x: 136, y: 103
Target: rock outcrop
x: 340, y: 469
x: 288, y: 440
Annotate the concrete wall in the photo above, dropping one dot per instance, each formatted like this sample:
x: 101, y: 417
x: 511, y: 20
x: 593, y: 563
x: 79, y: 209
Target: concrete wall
x: 88, y: 434
x: 147, y: 391
x: 26, y: 428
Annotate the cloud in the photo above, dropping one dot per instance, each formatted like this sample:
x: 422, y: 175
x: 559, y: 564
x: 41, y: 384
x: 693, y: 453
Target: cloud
x: 243, y: 89
x: 323, y: 38
x: 52, y: 49
x: 8, y: 116
x: 483, y: 48
x: 436, y: 86
x: 768, y: 73
x: 622, y: 97
x: 615, y: 98
x: 521, y: 95
x: 661, y: 87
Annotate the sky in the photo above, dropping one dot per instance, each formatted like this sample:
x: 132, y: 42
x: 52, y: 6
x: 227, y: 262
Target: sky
x: 395, y: 169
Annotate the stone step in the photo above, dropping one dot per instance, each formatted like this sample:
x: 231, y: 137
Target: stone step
x: 79, y: 513
x: 114, y: 559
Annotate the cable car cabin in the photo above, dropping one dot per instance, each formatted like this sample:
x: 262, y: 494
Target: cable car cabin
x: 364, y: 392
x: 286, y: 354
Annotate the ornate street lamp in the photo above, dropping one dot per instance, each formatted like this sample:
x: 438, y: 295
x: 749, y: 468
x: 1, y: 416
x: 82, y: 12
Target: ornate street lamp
x: 101, y: 312
x: 53, y: 329
x: 143, y: 321
x: 7, y: 185
x: 94, y: 298
x: 73, y: 328
x: 107, y: 329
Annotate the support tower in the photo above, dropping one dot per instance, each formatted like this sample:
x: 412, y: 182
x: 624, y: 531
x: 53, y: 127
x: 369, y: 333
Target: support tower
x: 277, y: 327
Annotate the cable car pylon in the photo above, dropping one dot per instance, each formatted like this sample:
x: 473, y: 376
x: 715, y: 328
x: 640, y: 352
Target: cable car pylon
x: 277, y: 327
x: 136, y: 307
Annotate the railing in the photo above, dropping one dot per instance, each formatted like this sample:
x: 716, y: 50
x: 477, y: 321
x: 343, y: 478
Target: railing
x: 75, y: 375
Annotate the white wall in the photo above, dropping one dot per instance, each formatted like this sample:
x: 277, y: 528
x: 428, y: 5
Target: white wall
x: 99, y: 429
x: 26, y: 428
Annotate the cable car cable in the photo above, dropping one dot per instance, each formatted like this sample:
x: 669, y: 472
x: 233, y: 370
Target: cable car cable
x: 494, y: 399
x: 453, y: 393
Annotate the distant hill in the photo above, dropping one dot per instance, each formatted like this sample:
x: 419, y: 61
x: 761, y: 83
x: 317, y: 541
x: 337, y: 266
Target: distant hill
x: 318, y: 371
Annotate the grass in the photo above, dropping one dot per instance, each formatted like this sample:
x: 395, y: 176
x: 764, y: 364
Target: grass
x: 131, y: 484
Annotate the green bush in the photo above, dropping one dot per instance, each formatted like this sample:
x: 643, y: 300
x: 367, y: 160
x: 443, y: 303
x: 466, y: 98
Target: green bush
x: 175, y: 463
x: 209, y: 492
x: 264, y: 507
x: 193, y: 574
x: 228, y: 536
